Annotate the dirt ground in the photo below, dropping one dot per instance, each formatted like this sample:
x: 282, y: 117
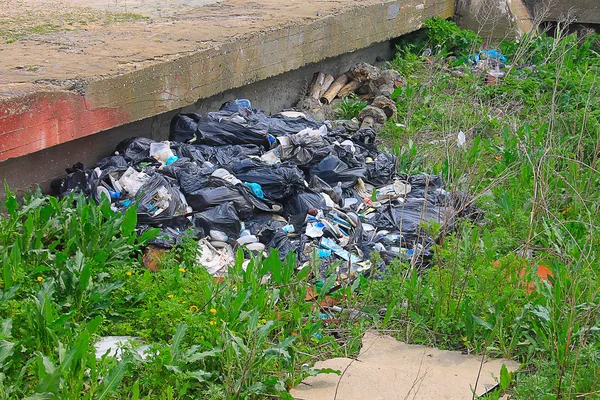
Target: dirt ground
x: 61, y: 42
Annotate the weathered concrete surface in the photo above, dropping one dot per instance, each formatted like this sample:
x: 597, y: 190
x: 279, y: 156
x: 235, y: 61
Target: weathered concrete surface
x: 392, y: 370
x: 65, y: 85
x: 580, y: 11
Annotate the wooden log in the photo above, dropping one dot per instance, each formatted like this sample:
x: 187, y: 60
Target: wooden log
x: 320, y: 83
x: 315, y: 86
x: 349, y: 88
x: 334, y: 89
x: 326, y: 84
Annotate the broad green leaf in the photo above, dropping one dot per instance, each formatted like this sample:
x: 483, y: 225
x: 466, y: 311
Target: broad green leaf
x: 112, y: 380
x: 176, y: 342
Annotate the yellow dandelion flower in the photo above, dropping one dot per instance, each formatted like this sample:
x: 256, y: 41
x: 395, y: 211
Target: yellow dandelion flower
x: 213, y: 322
x: 128, y: 273
x: 212, y: 310
x: 181, y: 269
x: 39, y: 279
x: 264, y: 321
x: 258, y: 324
x: 193, y: 309
x: 170, y: 295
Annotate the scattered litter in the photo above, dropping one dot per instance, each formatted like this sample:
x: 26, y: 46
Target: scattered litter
x: 238, y: 177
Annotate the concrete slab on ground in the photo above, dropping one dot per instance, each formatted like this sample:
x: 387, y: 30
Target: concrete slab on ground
x: 72, y: 68
x: 389, y: 369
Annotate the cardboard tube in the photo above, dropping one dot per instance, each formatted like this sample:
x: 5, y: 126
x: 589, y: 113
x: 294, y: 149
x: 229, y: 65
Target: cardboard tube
x: 334, y: 89
x: 349, y: 88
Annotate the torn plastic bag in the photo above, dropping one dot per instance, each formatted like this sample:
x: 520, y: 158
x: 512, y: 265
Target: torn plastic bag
x: 78, y: 179
x: 220, y: 133
x: 135, y: 149
x: 263, y: 225
x: 365, y: 137
x: 408, y: 217
x: 217, y: 191
x: 216, y: 261
x: 298, y: 205
x: 284, y: 244
x: 174, y: 231
x: 222, y: 218
x: 277, y: 181
x: 183, y: 128
x: 333, y: 170
x: 159, y: 202
x: 425, y: 186
x: 381, y: 171
x: 303, y: 148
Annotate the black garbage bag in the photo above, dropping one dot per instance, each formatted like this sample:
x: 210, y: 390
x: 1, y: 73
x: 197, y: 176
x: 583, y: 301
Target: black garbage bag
x: 220, y: 133
x: 192, y: 152
x: 303, y: 148
x: 263, y: 225
x: 78, y: 179
x: 365, y: 137
x: 222, y: 218
x: 224, y: 156
x: 280, y: 125
x: 382, y: 170
x: 407, y: 218
x: 333, y: 170
x: 277, y: 181
x: 218, y: 191
x: 297, y: 206
x: 284, y: 244
x: 159, y: 202
x: 135, y: 150
x: 425, y: 186
x: 113, y: 162
x: 183, y: 128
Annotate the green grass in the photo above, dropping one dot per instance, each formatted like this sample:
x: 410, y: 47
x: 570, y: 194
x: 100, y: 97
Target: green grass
x: 531, y: 164
x: 71, y: 270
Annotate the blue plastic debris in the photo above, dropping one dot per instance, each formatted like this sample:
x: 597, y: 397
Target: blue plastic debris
x: 323, y: 253
x: 244, y: 103
x: 487, y: 54
x: 171, y: 160
x: 256, y: 189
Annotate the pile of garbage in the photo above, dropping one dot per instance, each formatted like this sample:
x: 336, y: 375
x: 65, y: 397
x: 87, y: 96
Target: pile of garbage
x: 238, y: 177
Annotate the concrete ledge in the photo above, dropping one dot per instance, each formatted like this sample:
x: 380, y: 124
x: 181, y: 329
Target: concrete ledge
x: 91, y: 93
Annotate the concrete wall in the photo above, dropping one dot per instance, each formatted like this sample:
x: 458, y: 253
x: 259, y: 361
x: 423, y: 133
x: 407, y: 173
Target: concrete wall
x: 272, y: 95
